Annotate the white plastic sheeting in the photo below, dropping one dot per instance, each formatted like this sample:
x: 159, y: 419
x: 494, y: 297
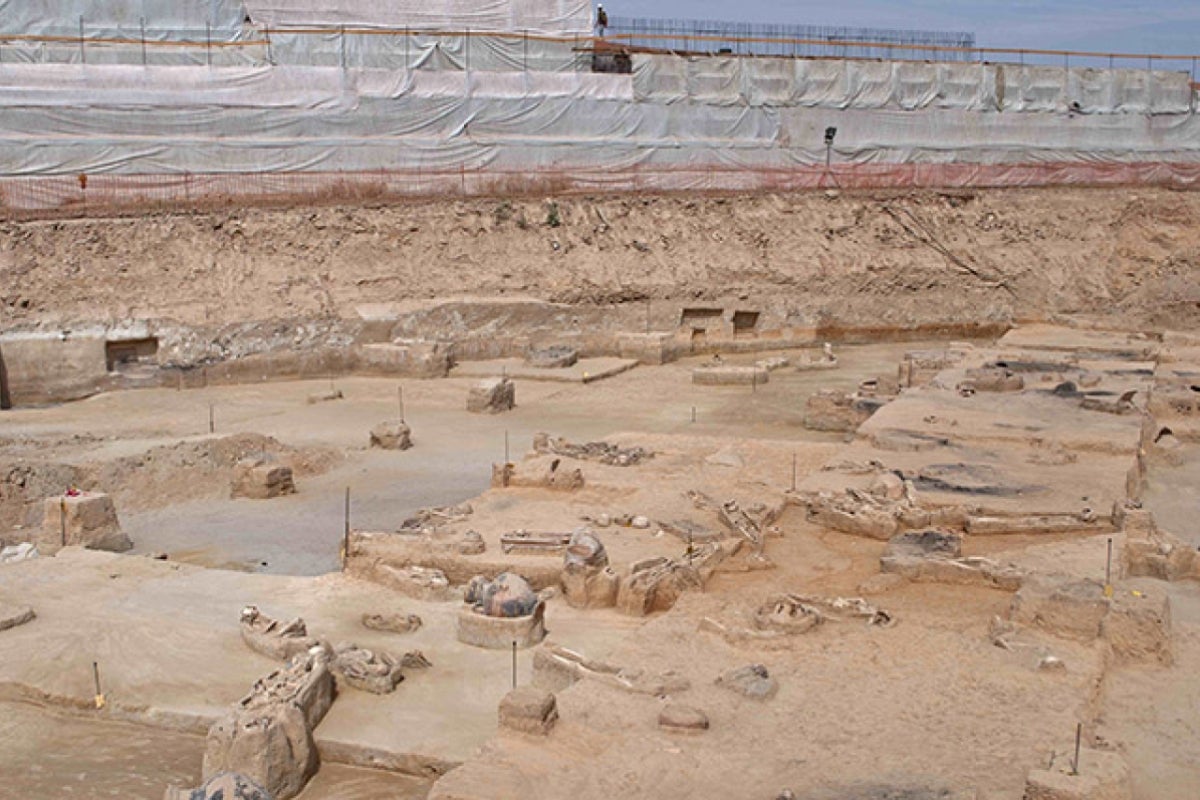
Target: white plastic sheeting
x: 541, y: 16
x: 175, y: 19
x: 66, y: 120
x: 226, y: 17
x: 415, y: 50
x: 907, y: 85
x: 350, y: 48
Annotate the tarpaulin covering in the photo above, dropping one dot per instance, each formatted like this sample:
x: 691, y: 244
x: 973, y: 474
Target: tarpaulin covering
x: 838, y: 83
x: 61, y: 17
x: 542, y: 16
x: 176, y: 19
x: 677, y: 122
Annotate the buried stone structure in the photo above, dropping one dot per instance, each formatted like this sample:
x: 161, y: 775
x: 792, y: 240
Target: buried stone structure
x: 529, y: 710
x: 500, y: 613
x: 261, y: 479
x: 86, y: 519
x: 492, y: 396
x: 268, y: 735
x: 392, y: 435
x: 587, y: 579
x: 225, y: 786
x: 273, y: 638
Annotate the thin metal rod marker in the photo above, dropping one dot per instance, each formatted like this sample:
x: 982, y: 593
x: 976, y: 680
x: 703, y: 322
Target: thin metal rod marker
x: 400, y: 397
x: 1078, y: 739
x: 212, y: 425
x: 62, y: 520
x: 1108, y: 570
x: 99, y: 697
x: 693, y: 413
x: 346, y: 530
x: 793, y: 472
x: 514, y: 664
x: 506, y: 460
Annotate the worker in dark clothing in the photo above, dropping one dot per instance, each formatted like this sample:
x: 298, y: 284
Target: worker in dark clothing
x: 601, y: 20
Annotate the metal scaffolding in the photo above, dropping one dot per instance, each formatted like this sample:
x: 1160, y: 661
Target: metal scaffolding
x: 755, y: 39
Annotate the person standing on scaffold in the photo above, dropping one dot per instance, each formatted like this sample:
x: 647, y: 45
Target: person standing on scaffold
x: 601, y: 20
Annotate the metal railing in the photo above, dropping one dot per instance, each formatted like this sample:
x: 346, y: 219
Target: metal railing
x: 684, y: 37
x: 754, y: 39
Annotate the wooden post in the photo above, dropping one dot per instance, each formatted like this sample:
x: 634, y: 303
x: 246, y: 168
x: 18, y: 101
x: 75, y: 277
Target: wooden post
x: 212, y: 427
x: 506, y: 446
x: 62, y: 520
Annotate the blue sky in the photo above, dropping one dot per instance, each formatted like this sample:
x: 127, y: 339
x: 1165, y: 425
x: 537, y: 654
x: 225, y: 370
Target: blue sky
x: 1162, y: 26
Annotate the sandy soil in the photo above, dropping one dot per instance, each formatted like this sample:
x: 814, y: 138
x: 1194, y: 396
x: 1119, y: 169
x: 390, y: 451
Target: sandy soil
x: 918, y: 710
x: 855, y: 259
x: 170, y: 500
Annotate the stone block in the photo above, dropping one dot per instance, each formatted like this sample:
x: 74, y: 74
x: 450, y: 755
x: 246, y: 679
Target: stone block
x: 587, y: 579
x: 274, y: 638
x: 492, y: 396
x: 86, y: 519
x: 1138, y: 625
x: 499, y: 633
x: 257, y: 479
x: 529, y: 710
x: 730, y: 376
x: 830, y: 410
x: 420, y: 583
x: 873, y: 523
x: 655, y: 585
x: 391, y: 435
x: 1102, y: 776
x: 752, y: 681
x: 1033, y: 524
x: 590, y: 588
x: 995, y: 379
x: 554, y: 357
x: 366, y: 670
x: 267, y: 736
x: 394, y: 623
x: 1149, y: 552
x: 538, y: 473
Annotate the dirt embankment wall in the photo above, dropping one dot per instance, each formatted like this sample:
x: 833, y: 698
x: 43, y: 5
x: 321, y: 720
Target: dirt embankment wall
x: 264, y: 287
